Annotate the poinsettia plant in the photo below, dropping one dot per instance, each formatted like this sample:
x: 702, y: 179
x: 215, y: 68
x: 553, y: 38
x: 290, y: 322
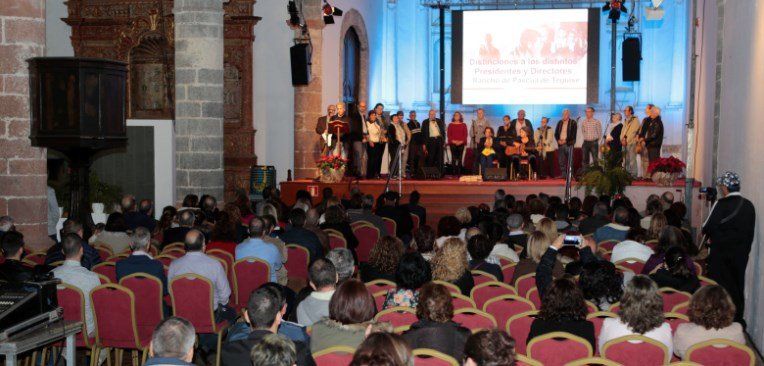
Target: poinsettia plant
x: 666, y: 165
x: 335, y: 162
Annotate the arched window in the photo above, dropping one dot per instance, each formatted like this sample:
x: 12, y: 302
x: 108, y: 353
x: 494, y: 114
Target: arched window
x: 350, y: 78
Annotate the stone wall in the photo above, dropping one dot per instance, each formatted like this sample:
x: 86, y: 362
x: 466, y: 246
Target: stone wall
x: 199, y: 97
x: 23, y: 173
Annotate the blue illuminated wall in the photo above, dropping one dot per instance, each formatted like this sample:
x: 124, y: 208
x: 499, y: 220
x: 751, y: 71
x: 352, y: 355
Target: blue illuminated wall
x: 403, y: 68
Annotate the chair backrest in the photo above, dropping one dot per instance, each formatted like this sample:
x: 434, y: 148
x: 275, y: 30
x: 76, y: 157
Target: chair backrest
x: 522, y: 360
x: 525, y: 283
x: 720, y: 352
x: 299, y: 260
x: 397, y: 316
x: 534, y: 297
x: 192, y: 298
x: 148, y: 298
x: 518, y: 326
x: 224, y: 255
x: 103, y: 251
x: 597, y: 318
x: 474, y: 320
x: 485, y: 291
x: 673, y: 297
x: 431, y: 357
x: 379, y: 298
x: 652, y: 243
x: 108, y: 269
x: 454, y: 289
x: 103, y: 279
x: 591, y: 307
x: 508, y: 270
x: 675, y: 320
x: 607, y: 244
x: 505, y: 306
x: 615, y: 308
x: 368, y: 236
x: 698, y: 268
x: 117, y: 257
x: 705, y: 281
x: 175, y: 245
x: 334, y: 356
x: 681, y: 308
x: 460, y: 301
x: 593, y: 361
x: 248, y: 275
x: 558, y: 348
x: 636, y: 350
x: 632, y: 264
x: 165, y: 259
x: 72, y: 301
x: 114, y: 313
x: 38, y: 257
x: 174, y: 252
x: 379, y: 285
x: 390, y: 225
x: 415, y: 220
x: 480, y: 277
x: 336, y: 240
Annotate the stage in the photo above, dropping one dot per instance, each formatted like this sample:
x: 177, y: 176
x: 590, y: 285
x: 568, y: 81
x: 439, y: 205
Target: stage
x: 443, y: 197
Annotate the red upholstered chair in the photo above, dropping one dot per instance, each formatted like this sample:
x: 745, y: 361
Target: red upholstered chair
x: 597, y: 318
x: 174, y: 252
x: 525, y: 283
x: 108, y: 269
x: 505, y: 306
x: 299, y: 260
x: 705, y: 281
x: 508, y: 271
x: 593, y: 361
x: 681, y: 308
x: 607, y: 245
x: 72, y: 301
x: 485, y: 291
x: 118, y: 257
x: 379, y: 299
x: 165, y: 259
x: 636, y: 350
x: 632, y: 264
x: 148, y: 298
x: 103, y: 251
x: 721, y: 352
x: 116, y: 322
x: 518, y: 326
x: 397, y: 316
x: 37, y: 257
x: 474, y: 319
x: 379, y: 285
x: 367, y: 236
x: 652, y: 243
x: 615, y: 308
x: 591, y: 307
x: 248, y: 274
x: 336, y: 240
x: 480, y: 277
x: 104, y: 280
x: 521, y: 360
x: 431, y: 357
x: 390, y: 225
x: 415, y: 219
x: 334, y: 356
x: 558, y: 348
x: 193, y: 299
x: 672, y: 297
x: 534, y: 297
x: 453, y: 289
x: 460, y: 301
x: 222, y: 254
x: 675, y: 319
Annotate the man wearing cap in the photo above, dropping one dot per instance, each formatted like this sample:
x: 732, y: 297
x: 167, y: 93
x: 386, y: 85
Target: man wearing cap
x: 730, y: 228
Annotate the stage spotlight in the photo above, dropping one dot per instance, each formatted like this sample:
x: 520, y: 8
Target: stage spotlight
x: 330, y: 12
x: 615, y: 7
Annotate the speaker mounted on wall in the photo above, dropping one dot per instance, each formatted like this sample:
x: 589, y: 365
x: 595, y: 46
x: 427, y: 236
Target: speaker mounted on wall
x: 299, y: 55
x: 632, y: 55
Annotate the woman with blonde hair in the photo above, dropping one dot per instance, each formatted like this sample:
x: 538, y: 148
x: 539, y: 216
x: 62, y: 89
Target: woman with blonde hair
x: 641, y: 313
x: 450, y: 265
x: 548, y: 227
x: 538, y: 242
x: 657, y: 223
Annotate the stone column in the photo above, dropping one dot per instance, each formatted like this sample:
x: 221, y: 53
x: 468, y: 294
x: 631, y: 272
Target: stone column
x: 23, y: 175
x: 199, y: 97
x: 307, y: 99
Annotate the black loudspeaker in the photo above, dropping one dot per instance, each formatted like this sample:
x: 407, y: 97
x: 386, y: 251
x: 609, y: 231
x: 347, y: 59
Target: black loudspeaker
x: 495, y: 174
x: 632, y: 55
x: 300, y: 57
x: 428, y: 173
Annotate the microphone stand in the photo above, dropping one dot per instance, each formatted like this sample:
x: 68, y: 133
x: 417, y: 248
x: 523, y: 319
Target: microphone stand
x: 569, y: 170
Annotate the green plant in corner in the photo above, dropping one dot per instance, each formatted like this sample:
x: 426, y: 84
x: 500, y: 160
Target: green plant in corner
x: 605, y: 177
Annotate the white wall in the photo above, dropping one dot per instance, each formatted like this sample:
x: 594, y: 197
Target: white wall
x: 57, y: 33
x: 273, y: 94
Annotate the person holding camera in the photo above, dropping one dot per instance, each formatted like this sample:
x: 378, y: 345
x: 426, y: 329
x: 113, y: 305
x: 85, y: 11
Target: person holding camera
x: 729, y: 229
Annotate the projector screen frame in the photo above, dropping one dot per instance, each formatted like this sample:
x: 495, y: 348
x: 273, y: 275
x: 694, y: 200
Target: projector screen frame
x: 593, y: 48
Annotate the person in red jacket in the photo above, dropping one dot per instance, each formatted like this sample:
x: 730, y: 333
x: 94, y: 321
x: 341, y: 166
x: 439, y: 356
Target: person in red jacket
x: 457, y: 138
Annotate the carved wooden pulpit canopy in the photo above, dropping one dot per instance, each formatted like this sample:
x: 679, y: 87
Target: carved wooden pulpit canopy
x: 141, y: 33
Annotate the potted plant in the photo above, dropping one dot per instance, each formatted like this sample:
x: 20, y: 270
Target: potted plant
x: 332, y: 168
x: 605, y: 177
x: 665, y: 171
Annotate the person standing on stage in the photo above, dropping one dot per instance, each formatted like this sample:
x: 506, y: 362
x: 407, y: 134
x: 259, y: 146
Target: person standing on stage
x: 485, y: 150
x: 565, y: 134
x: 433, y: 134
x: 359, y: 147
x: 457, y: 138
x: 382, y: 116
x: 730, y: 229
x: 591, y: 128
x: 356, y: 139
x: 476, y: 132
x: 520, y: 123
x: 545, y: 146
x: 321, y: 129
x: 504, y: 136
x: 416, y: 146
x: 612, y: 137
x: 641, y: 140
x: 343, y: 148
x: 398, y: 134
x: 654, y: 135
x: 629, y: 138
x: 375, y: 145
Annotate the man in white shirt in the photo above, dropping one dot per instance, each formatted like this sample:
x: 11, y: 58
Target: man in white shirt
x: 323, y: 281
x: 72, y: 273
x: 631, y: 249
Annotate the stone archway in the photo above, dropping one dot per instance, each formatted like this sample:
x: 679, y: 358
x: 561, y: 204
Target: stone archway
x: 353, y: 19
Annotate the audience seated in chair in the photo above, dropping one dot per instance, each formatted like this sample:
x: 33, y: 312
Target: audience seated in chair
x: 674, y: 273
x: 335, y: 219
x: 90, y: 256
x: 413, y: 272
x: 563, y: 310
x: 172, y: 343
x: 391, y: 209
x: 297, y: 234
x: 450, y: 265
x: 615, y: 230
x: 71, y: 272
x: 435, y: 328
x: 598, y: 219
x: 256, y: 247
x: 323, y: 281
x: 489, y: 347
x: 711, y: 316
x: 186, y: 219
x: 140, y: 261
x: 538, y: 244
x: 632, y: 247
x: 360, y: 210
x: 383, y: 260
x: 479, y: 247
x: 114, y: 234
x: 424, y: 242
x: 383, y: 348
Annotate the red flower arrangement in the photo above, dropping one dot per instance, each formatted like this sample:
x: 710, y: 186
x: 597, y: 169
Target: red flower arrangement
x: 335, y: 162
x: 666, y: 165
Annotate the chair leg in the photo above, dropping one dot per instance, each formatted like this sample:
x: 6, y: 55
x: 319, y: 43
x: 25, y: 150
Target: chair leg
x: 134, y: 354
x: 94, y: 353
x: 219, y: 348
x: 144, y: 356
x: 119, y: 353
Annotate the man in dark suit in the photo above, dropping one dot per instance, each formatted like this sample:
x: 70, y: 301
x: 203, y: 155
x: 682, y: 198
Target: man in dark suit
x: 134, y: 217
x: 323, y: 123
x: 520, y: 123
x: 515, y: 234
x: 90, y: 256
x: 433, y: 135
x: 565, y: 134
x: 400, y: 214
x: 297, y: 234
x: 416, y: 209
x: 140, y: 260
x: 12, y: 270
x: 178, y: 234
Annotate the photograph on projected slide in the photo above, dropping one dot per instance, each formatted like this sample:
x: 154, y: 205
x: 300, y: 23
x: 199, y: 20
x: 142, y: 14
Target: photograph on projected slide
x: 525, y: 56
